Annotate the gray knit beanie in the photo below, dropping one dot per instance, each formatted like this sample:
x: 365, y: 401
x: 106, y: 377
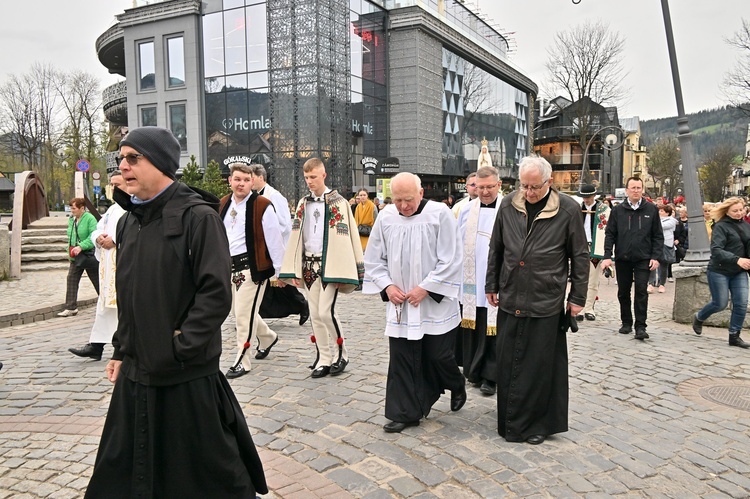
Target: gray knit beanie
x: 158, y: 145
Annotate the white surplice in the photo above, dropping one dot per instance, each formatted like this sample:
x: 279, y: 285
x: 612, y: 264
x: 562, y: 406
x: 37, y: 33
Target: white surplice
x: 105, y: 321
x: 420, y: 250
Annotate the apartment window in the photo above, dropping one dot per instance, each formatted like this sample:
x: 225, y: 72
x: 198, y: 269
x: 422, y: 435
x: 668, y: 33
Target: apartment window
x: 176, y: 62
x: 147, y: 66
x: 148, y: 116
x: 178, y: 123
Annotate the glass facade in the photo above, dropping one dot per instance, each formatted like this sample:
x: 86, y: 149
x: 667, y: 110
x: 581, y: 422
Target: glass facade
x: 477, y: 106
x: 238, y: 121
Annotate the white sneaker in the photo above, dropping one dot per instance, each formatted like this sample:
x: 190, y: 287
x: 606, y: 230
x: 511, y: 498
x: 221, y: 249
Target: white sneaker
x: 650, y: 289
x: 68, y: 313
x: 670, y: 279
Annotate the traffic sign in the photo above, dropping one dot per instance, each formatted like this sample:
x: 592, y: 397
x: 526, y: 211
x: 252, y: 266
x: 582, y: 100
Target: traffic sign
x: 97, y: 190
x: 96, y: 175
x: 82, y: 165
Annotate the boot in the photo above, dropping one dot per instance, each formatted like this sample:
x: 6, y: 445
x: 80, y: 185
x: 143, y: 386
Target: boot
x: 697, y: 325
x: 736, y: 341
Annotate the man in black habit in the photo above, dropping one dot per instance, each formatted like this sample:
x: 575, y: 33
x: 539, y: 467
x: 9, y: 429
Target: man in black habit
x: 174, y: 427
x: 537, y: 231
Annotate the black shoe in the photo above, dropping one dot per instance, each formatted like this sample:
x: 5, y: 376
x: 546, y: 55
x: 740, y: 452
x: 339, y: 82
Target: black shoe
x: 321, y: 372
x: 396, y: 427
x: 263, y: 352
x: 579, y: 317
x: 590, y: 317
x: 641, y: 334
x: 88, y: 350
x: 338, y: 367
x: 303, y: 316
x: 626, y: 329
x: 458, y: 399
x: 236, y: 372
x: 536, y: 439
x: 736, y: 341
x: 488, y: 387
x: 697, y: 325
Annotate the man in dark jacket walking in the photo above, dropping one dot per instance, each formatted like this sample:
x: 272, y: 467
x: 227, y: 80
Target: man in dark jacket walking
x: 174, y: 427
x: 537, y: 232
x: 634, y: 230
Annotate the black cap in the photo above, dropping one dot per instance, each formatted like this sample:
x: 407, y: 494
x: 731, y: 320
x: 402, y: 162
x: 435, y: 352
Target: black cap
x: 158, y: 145
x: 587, y: 190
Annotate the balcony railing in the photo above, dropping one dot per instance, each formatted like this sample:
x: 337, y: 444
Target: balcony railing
x: 115, y: 103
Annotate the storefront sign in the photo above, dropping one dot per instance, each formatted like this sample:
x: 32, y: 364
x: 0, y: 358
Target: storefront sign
x: 369, y: 164
x: 236, y: 124
x: 389, y: 166
x: 237, y: 159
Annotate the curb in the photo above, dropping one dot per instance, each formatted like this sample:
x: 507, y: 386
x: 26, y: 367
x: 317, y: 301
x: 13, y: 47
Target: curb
x: 41, y: 314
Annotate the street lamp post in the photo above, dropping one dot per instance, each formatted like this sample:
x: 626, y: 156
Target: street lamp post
x: 698, y: 252
x: 609, y: 144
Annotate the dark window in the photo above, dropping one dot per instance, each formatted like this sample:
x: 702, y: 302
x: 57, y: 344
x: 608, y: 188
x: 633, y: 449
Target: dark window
x: 178, y: 123
x: 148, y: 116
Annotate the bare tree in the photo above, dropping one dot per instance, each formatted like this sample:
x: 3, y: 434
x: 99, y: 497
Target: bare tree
x: 716, y: 171
x: 664, y: 163
x: 585, y: 61
x: 736, y: 85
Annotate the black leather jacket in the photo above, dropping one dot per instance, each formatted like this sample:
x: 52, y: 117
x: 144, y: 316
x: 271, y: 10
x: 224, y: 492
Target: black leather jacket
x: 529, y: 272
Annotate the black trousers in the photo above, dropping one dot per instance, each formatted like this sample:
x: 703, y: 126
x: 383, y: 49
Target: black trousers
x: 74, y: 279
x: 629, y: 273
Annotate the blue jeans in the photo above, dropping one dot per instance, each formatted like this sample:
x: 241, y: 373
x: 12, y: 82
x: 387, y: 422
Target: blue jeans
x: 721, y: 286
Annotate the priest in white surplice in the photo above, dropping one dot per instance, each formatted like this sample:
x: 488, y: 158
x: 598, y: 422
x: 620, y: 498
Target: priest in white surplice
x: 105, y: 240
x: 478, y: 325
x: 413, y: 259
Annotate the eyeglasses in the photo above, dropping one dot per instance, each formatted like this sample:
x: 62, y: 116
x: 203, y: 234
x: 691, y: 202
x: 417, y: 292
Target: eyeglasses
x: 533, y: 187
x: 132, y: 158
x: 471, y: 185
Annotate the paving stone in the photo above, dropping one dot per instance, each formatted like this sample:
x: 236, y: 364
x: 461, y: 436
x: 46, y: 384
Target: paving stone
x: 352, y: 482
x: 406, y: 486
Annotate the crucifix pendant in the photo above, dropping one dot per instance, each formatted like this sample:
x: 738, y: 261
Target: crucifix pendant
x: 316, y: 214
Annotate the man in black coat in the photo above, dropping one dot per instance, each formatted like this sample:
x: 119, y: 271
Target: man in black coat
x: 634, y: 230
x: 174, y: 427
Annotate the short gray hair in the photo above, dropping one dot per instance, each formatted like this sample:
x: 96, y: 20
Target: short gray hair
x: 259, y: 170
x: 116, y: 173
x: 539, y: 164
x: 487, y: 172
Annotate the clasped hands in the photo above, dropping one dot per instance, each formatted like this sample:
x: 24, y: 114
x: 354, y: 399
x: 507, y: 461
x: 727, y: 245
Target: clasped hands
x: 413, y: 297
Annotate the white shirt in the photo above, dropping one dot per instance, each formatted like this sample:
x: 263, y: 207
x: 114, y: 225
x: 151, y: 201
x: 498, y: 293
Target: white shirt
x: 587, y: 221
x: 485, y: 224
x: 282, y: 210
x: 234, y: 222
x: 312, y: 229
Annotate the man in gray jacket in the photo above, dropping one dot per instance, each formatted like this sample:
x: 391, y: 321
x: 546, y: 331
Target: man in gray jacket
x: 537, y: 231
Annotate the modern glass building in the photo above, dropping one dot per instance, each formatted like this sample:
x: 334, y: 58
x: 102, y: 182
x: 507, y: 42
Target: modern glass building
x: 418, y: 83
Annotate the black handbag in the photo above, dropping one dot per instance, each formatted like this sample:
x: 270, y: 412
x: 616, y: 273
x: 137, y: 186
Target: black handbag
x: 84, y: 259
x: 364, y: 230
x: 669, y: 255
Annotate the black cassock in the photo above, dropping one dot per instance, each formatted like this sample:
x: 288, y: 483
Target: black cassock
x: 419, y: 371
x: 185, y: 440
x: 532, y: 377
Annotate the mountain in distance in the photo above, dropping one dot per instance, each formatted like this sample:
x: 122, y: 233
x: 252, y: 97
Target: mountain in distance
x: 709, y: 128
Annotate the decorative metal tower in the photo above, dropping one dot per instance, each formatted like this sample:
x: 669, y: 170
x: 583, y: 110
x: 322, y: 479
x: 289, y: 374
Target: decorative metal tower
x: 309, y: 70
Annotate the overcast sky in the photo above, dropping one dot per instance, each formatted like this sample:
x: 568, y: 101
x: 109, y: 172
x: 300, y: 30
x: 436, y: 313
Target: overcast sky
x: 64, y: 34
x: 700, y: 27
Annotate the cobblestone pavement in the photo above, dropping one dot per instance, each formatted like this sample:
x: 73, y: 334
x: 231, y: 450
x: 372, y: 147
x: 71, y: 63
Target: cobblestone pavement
x: 664, y: 418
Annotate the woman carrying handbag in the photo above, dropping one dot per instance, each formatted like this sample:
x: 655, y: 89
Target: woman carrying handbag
x: 727, y: 269
x: 81, y: 254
